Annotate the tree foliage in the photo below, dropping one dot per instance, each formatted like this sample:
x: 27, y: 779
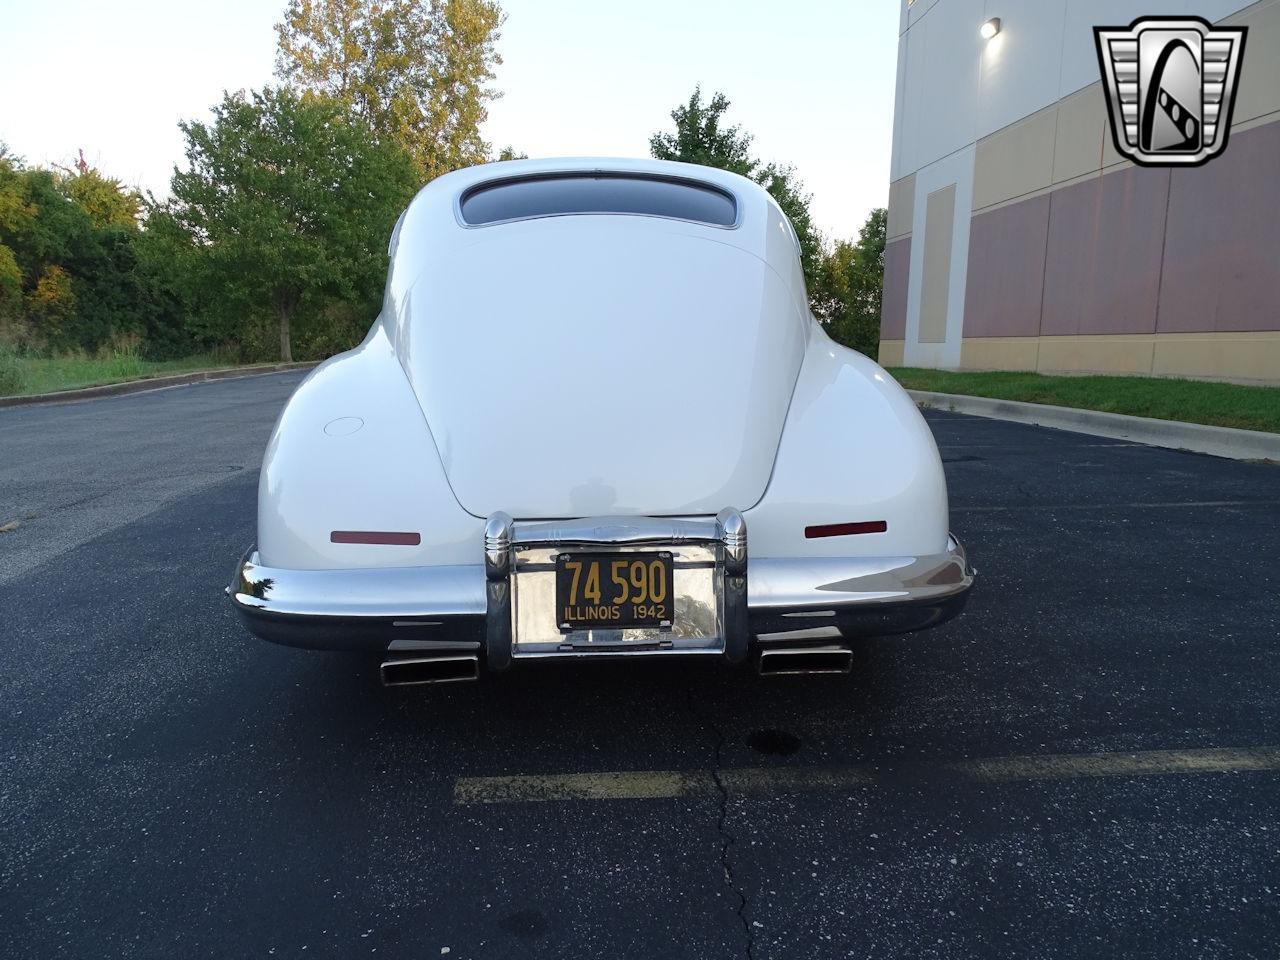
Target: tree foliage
x: 14, y: 212
x: 843, y: 279
x: 848, y: 300
x: 702, y: 136
x: 10, y: 284
x: 418, y: 73
x: 273, y: 236
x: 283, y: 215
x: 69, y: 277
x: 106, y: 201
x: 272, y: 239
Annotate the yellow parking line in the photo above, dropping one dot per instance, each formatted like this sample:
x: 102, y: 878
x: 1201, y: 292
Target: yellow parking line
x: 635, y: 785
x: 657, y: 784
x: 1144, y: 764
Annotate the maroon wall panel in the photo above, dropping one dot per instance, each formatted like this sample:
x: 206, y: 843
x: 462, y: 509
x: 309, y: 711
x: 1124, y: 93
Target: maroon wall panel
x: 1006, y: 270
x: 1222, y: 254
x: 893, y: 306
x: 1103, y: 269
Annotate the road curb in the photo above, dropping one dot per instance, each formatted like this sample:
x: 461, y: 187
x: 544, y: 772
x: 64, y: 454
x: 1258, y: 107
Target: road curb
x: 1196, y: 437
x: 153, y: 383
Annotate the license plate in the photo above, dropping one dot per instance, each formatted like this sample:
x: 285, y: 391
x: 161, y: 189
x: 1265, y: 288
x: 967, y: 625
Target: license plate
x: 610, y: 591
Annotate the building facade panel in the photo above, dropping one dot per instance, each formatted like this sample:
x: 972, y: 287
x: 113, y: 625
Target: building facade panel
x: 1019, y: 66
x: 1222, y: 250
x: 939, y: 225
x: 955, y: 172
x: 942, y: 55
x: 1080, y: 61
x: 1000, y: 353
x: 1015, y: 161
x: 1063, y: 255
x: 1253, y: 357
x: 1259, y: 93
x: 1081, y: 132
x: 1006, y: 271
x: 902, y: 201
x: 1102, y: 265
x: 1113, y: 353
x: 893, y: 302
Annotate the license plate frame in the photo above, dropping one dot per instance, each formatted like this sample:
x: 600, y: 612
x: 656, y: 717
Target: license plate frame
x: 624, y: 604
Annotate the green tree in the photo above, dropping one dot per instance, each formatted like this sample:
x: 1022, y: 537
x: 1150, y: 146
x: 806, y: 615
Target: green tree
x: 699, y: 137
x: 14, y: 213
x: 10, y: 285
x: 847, y: 302
x: 46, y: 228
x: 702, y: 136
x: 51, y: 304
x: 69, y: 276
x: 52, y: 244
x: 170, y: 324
x: 284, y: 210
x: 418, y: 73
x: 106, y: 201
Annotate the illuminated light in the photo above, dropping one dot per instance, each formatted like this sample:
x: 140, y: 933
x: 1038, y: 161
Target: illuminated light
x: 845, y: 529
x: 380, y: 537
x: 990, y: 28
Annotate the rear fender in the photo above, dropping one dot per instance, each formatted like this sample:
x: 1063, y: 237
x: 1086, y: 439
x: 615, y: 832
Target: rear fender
x: 854, y: 448
x: 352, y: 452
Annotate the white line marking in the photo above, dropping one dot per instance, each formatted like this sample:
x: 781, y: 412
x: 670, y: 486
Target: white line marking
x: 660, y: 784
x: 1116, y: 506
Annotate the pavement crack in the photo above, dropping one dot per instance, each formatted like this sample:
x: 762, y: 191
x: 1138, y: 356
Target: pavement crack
x: 727, y: 839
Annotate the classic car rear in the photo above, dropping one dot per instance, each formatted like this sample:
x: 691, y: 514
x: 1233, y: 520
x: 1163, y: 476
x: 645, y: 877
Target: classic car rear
x: 596, y: 419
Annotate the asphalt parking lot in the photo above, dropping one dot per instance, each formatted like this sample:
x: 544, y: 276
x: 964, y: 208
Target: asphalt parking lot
x: 1085, y: 764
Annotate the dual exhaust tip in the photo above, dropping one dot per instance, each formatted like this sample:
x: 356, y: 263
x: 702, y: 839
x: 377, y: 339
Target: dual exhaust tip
x: 456, y: 668
x: 416, y: 671
x: 777, y: 662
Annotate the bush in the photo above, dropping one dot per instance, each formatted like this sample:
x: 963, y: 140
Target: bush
x: 123, y: 357
x: 12, y: 376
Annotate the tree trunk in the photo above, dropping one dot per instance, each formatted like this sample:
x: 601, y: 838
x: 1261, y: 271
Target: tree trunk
x: 286, y: 351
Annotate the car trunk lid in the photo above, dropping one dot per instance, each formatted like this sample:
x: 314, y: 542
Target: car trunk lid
x: 638, y: 367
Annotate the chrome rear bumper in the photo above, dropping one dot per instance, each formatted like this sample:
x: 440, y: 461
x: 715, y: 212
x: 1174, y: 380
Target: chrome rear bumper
x: 772, y: 602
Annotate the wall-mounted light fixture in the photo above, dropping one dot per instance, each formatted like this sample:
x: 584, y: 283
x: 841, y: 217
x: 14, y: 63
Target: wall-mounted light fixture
x: 990, y: 28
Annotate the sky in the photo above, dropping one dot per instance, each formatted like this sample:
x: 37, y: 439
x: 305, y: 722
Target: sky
x: 812, y: 80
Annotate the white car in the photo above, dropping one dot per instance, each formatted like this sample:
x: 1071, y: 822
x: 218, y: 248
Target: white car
x: 595, y: 418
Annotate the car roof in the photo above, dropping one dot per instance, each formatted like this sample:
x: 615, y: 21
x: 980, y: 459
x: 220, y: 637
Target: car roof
x: 436, y: 208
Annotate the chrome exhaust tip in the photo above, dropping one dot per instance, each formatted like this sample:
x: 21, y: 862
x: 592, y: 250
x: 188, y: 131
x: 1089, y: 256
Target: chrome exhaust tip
x: 776, y: 662
x: 415, y: 671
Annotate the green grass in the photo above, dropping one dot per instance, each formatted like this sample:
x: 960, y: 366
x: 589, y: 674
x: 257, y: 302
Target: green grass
x: 1192, y: 401
x: 25, y: 375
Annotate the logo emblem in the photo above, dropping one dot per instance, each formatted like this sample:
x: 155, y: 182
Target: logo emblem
x: 1171, y: 84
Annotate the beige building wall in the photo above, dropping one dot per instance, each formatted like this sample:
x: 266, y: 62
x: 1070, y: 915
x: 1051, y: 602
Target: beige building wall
x: 939, y: 222
x: 1113, y: 259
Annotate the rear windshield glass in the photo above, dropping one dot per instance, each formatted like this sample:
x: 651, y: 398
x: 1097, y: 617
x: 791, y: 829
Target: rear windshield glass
x: 597, y: 193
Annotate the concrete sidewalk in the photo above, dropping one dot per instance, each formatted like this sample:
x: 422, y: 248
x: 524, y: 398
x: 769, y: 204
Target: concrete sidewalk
x: 1173, y: 434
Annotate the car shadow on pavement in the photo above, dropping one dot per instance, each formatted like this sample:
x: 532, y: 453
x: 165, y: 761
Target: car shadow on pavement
x: 621, y: 714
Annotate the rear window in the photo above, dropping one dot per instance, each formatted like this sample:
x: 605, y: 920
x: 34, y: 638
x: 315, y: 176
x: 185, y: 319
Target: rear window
x: 561, y: 194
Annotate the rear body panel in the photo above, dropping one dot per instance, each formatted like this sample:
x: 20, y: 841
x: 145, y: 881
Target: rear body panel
x: 626, y: 366
x: 596, y: 383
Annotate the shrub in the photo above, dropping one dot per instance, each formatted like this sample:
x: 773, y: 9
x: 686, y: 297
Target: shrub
x: 123, y: 356
x: 12, y: 376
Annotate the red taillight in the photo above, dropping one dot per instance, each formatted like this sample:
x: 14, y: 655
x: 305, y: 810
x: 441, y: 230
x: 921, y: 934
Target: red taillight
x: 845, y: 529
x: 383, y: 537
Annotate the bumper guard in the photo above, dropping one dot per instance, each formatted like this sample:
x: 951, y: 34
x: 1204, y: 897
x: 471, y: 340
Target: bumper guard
x: 770, y: 602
